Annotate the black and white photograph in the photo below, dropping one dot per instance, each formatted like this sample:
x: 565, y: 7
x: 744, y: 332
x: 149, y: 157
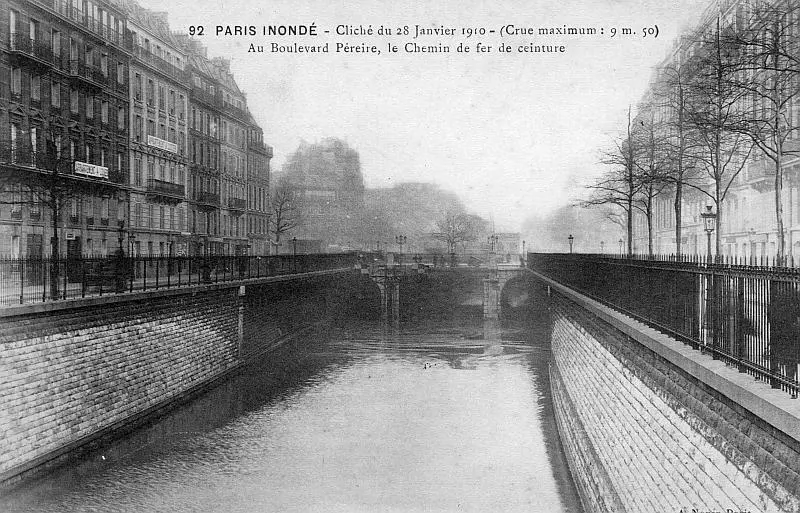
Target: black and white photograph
x: 414, y: 256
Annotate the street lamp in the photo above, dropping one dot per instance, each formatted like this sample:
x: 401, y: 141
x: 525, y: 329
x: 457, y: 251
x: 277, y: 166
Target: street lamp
x: 570, y: 239
x: 120, y: 235
x: 294, y: 254
x: 708, y: 220
x: 620, y: 246
x: 400, y: 240
x: 752, y: 234
x: 602, y: 247
x: 492, y: 239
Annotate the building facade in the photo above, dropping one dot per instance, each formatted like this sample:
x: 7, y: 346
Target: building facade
x: 64, y: 141
x: 118, y: 134
x: 158, y: 125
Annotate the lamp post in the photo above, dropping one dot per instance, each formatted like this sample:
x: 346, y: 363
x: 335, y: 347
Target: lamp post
x: 294, y: 254
x: 400, y: 240
x: 120, y: 235
x: 492, y: 240
x: 571, y: 239
x: 620, y: 246
x: 708, y: 220
x: 752, y: 236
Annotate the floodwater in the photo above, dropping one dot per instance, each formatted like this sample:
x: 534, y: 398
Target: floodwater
x: 360, y: 419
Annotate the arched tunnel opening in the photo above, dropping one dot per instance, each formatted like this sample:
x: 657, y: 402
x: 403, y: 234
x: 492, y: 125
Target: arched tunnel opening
x: 524, y: 298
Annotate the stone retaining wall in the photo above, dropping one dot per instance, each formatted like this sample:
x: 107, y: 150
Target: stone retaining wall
x: 663, y: 441
x: 67, y: 374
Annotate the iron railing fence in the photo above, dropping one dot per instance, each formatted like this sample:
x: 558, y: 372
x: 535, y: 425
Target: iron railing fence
x: 745, y: 315
x: 29, y: 280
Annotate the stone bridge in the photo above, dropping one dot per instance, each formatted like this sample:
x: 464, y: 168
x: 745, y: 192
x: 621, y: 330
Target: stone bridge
x: 490, y: 276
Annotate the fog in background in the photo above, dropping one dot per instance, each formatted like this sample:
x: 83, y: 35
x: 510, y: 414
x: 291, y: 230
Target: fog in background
x: 513, y: 135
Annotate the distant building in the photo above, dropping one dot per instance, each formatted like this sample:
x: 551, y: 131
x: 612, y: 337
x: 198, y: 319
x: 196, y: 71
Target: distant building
x: 330, y: 191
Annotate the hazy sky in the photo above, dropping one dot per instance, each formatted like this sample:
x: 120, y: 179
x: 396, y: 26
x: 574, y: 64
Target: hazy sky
x: 510, y: 133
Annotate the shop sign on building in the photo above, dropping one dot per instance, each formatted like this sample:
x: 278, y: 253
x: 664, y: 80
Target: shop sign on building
x: 159, y: 143
x: 82, y: 168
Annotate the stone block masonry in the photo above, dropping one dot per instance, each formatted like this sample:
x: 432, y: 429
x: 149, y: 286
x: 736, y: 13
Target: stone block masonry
x: 71, y: 372
x: 643, y: 435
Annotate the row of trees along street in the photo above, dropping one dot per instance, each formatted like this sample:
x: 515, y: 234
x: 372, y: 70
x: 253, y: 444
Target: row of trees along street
x: 728, y: 96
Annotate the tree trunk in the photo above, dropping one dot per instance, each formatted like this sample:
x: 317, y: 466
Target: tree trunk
x: 678, y: 214
x: 55, y: 257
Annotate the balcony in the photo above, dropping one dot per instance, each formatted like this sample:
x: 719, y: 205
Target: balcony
x: 89, y: 221
x: 233, y: 110
x: 24, y: 156
x: 37, y: 51
x: 89, y: 74
x: 159, y: 64
x: 209, y: 198
x: 165, y: 190
x: 237, y: 204
x: 200, y: 95
x: 79, y: 17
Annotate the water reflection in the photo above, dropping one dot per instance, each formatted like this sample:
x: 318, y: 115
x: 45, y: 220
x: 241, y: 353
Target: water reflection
x: 424, y: 418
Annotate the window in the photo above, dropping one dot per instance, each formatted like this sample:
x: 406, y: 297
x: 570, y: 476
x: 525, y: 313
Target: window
x: 16, y: 81
x: 104, y: 112
x: 12, y: 22
x: 181, y: 106
x: 55, y: 94
x: 120, y: 73
x: 34, y: 30
x: 120, y: 161
x: 151, y: 127
x: 34, y: 139
x: 161, y: 219
x: 137, y: 87
x: 172, y: 102
x: 150, y: 170
x: 162, y: 97
x: 103, y: 153
x: 89, y: 154
x: 90, y: 106
x: 137, y: 172
x: 161, y: 171
x: 121, y: 118
x: 151, y: 92
x: 36, y: 88
x: 104, y: 64
x: 15, y: 132
x: 89, y: 56
x: 73, y: 101
x: 139, y: 128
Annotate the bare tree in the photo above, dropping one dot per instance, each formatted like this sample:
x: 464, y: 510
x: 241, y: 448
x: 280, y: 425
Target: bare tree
x: 284, y: 210
x: 713, y: 101
x: 619, y: 186
x: 680, y: 140
x: 51, y: 185
x: 454, y: 228
x: 770, y: 80
x: 651, y: 167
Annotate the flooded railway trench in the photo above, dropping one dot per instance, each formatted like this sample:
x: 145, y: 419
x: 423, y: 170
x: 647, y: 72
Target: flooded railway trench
x: 428, y: 417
